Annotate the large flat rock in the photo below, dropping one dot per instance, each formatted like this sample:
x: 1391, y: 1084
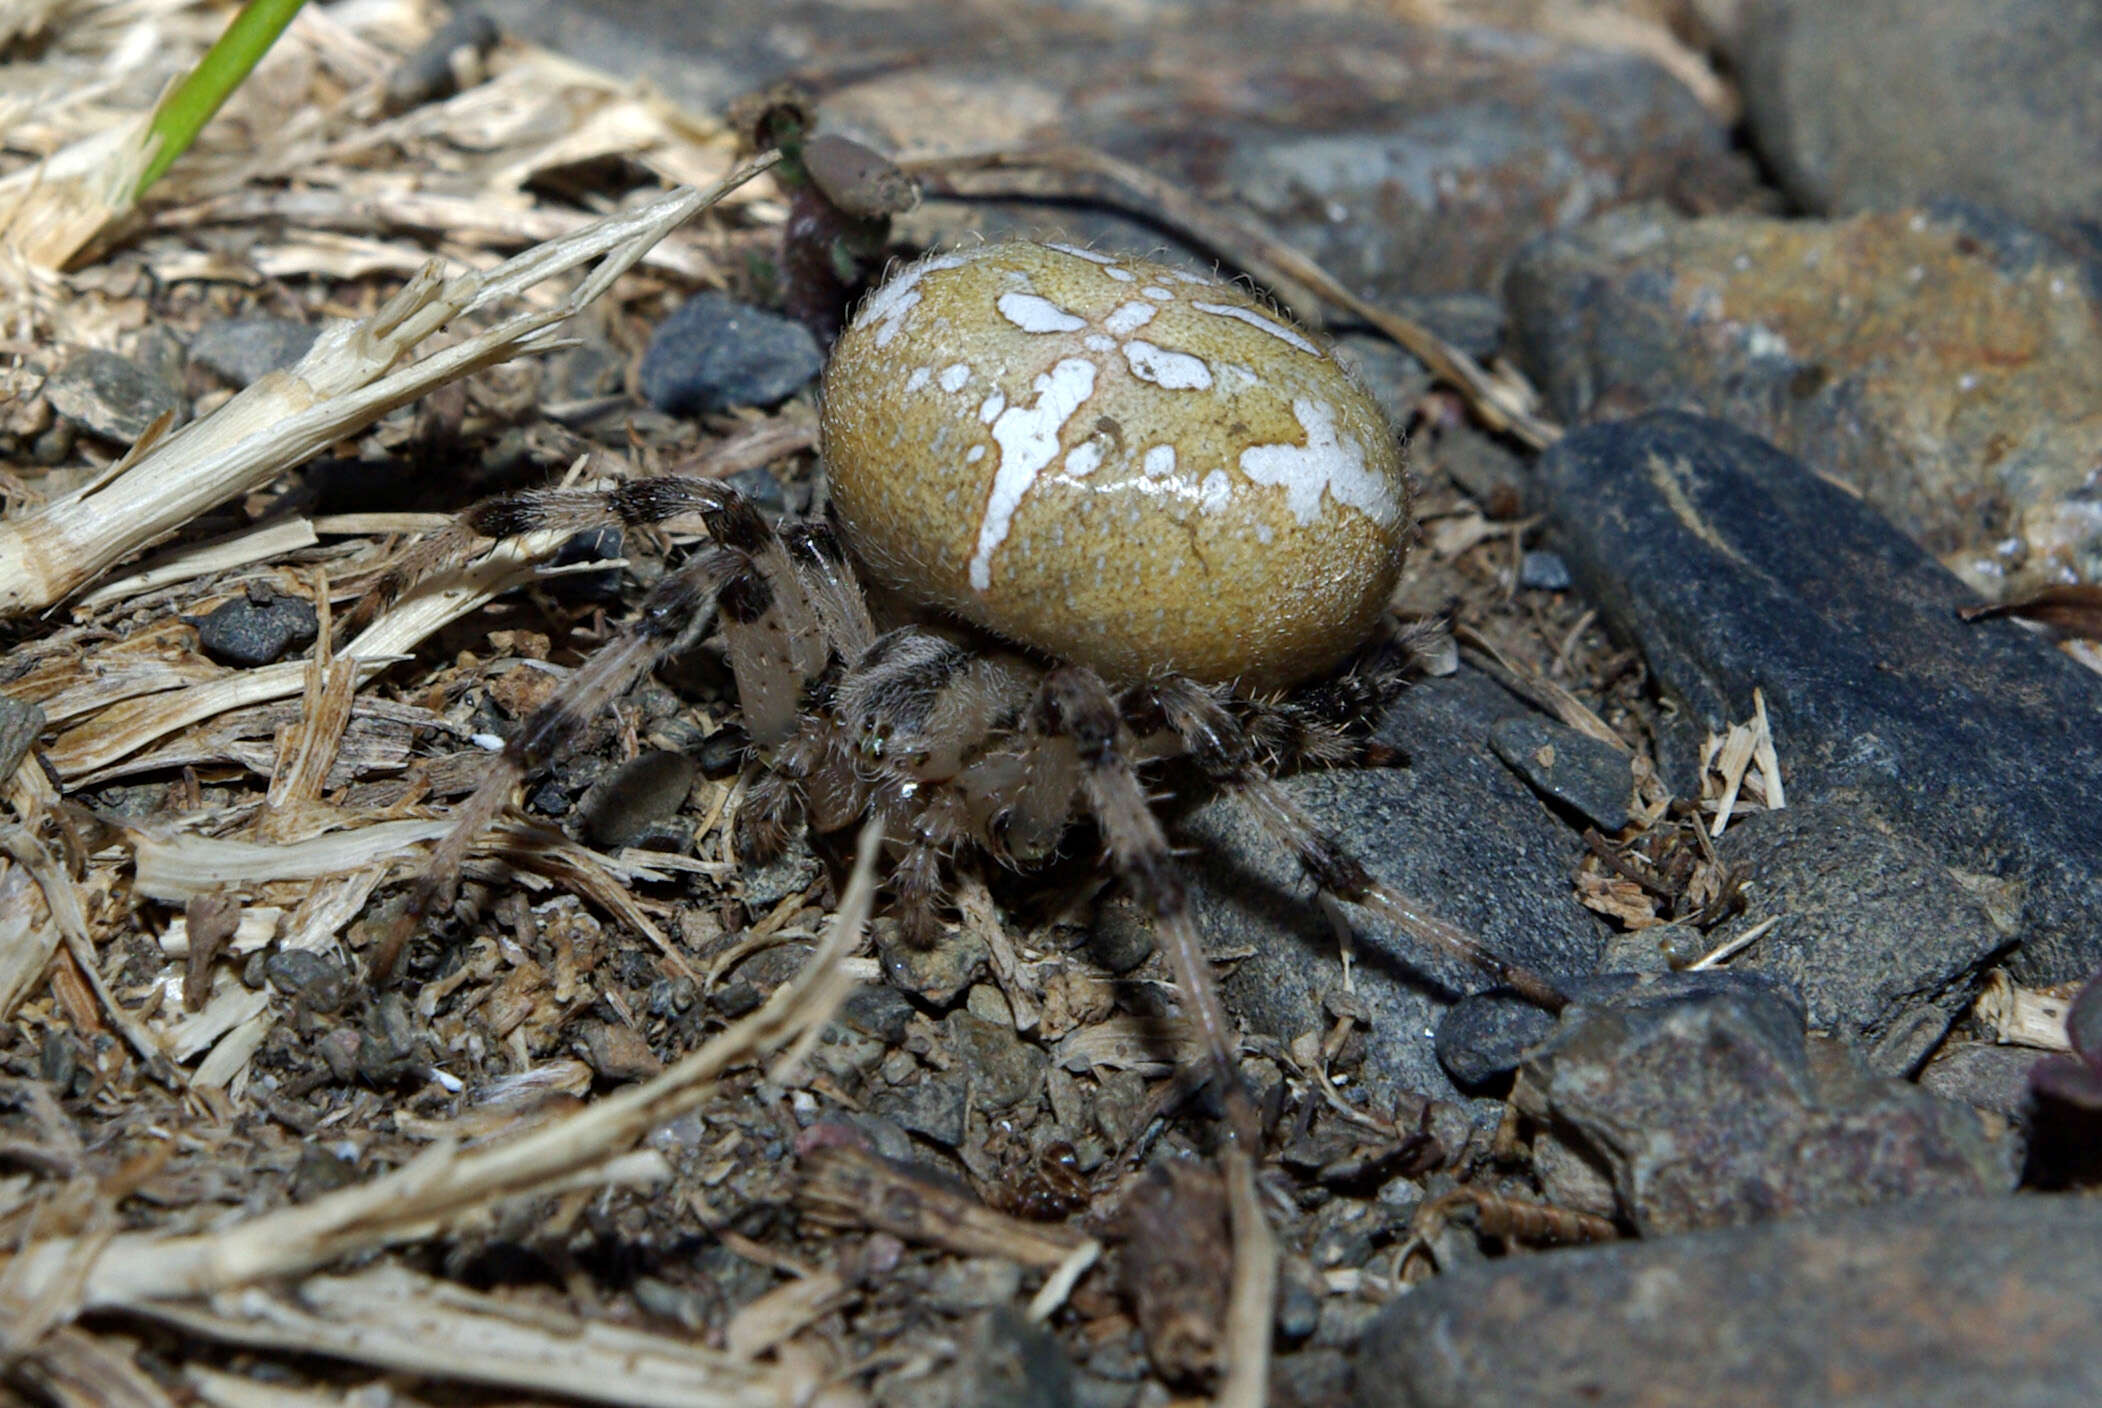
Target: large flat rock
x: 1735, y: 567
x: 1923, y: 1304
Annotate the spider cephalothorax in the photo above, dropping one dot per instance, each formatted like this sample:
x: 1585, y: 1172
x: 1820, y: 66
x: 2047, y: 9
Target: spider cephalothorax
x: 1148, y: 518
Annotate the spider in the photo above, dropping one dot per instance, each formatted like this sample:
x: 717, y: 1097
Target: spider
x: 965, y: 743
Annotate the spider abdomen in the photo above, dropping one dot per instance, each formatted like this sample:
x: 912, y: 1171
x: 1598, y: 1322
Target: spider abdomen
x: 1118, y: 463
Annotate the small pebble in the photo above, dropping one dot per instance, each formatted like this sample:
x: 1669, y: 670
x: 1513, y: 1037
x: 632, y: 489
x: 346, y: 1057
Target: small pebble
x: 244, y: 350
x: 1590, y: 777
x: 716, y: 351
x: 1121, y: 937
x: 257, y: 628
x: 314, y: 979
x: 790, y: 873
x: 1004, y: 1068
x: 1543, y: 571
x: 628, y: 800
x: 435, y: 71
x: 761, y: 490
x: 933, y: 1109
x: 936, y: 972
x: 618, y: 1052
x: 111, y: 396
x: 879, y: 1012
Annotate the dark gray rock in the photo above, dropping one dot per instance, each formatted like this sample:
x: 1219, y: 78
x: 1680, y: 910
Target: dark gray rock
x: 1880, y: 939
x: 932, y: 1108
x: 761, y: 490
x: 1733, y: 566
x: 1980, y: 1073
x: 1453, y: 830
x: 432, y: 73
x: 1485, y: 1036
x: 1472, y: 322
x: 626, y: 800
x: 1943, y: 1303
x: 256, y: 628
x: 1714, y: 1109
x: 1000, y: 1067
x: 20, y: 723
x: 246, y: 349
x: 1944, y: 362
x: 1120, y: 936
x: 111, y: 396
x: 716, y: 352
x: 1878, y: 103
x: 1396, y: 380
x: 1007, y: 1362
x: 1415, y: 174
x: 747, y: 45
x: 1484, y: 466
x: 315, y: 980
x: 880, y: 1012
x: 790, y: 873
x: 1590, y: 777
x: 1409, y: 158
x: 935, y: 973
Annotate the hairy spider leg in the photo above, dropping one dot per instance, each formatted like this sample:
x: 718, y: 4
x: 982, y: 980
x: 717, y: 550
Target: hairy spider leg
x: 775, y: 634
x: 1215, y: 741
x: 1076, y: 704
x: 1320, y: 724
x: 673, y: 615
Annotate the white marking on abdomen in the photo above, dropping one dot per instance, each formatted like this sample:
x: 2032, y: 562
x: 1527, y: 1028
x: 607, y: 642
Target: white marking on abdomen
x: 1256, y: 320
x: 1325, y: 461
x: 1177, y: 371
x: 1033, y: 312
x: 888, y: 306
x: 1128, y: 318
x: 1028, y: 438
x: 1078, y: 253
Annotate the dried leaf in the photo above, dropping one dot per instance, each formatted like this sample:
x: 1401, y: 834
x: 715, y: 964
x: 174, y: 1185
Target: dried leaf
x: 2076, y: 610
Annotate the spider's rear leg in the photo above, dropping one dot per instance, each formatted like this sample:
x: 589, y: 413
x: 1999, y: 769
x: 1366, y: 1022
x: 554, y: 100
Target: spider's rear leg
x: 1215, y: 741
x: 1074, y: 704
x: 1322, y: 725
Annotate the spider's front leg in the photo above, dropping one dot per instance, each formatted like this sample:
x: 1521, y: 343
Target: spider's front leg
x: 1215, y: 741
x: 1075, y: 705
x: 674, y: 613
x: 775, y: 637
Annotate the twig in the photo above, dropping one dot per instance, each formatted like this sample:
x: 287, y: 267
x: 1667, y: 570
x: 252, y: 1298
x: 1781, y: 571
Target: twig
x: 1251, y: 1307
x: 1721, y: 953
x: 137, y: 1269
x: 846, y: 1186
x: 64, y: 904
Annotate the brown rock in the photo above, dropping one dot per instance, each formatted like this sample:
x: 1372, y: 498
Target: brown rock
x: 1945, y: 364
